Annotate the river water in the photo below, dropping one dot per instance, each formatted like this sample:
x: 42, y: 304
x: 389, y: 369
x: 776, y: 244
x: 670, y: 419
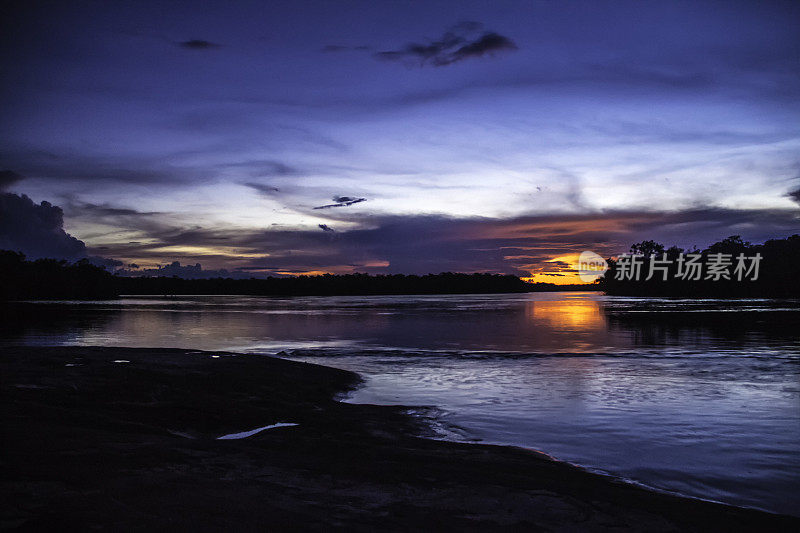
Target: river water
x: 696, y: 397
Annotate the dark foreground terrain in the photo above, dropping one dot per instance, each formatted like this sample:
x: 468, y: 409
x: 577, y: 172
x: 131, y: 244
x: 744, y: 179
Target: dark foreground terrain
x: 91, y: 443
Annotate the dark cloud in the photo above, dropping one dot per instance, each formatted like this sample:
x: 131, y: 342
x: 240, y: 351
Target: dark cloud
x: 486, y: 43
x: 261, y: 188
x: 8, y: 178
x: 106, y: 210
x: 347, y: 200
x: 61, y: 166
x: 197, y: 44
x: 459, y: 43
x: 794, y: 195
x: 37, y: 230
x: 342, y: 201
x: 109, y: 264
x: 559, y: 265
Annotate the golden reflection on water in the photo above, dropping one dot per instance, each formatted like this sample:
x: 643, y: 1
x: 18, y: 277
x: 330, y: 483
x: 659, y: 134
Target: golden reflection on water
x: 538, y: 322
x: 570, y: 314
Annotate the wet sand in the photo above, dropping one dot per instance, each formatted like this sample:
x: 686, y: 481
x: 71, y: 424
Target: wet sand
x: 129, y: 439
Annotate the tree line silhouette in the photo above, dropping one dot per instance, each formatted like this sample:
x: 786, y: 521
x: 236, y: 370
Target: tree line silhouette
x: 778, y: 270
x: 58, y: 279
x: 779, y: 276
x: 52, y: 279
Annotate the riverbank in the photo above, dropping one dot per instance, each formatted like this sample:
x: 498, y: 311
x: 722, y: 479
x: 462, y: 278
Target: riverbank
x: 129, y: 439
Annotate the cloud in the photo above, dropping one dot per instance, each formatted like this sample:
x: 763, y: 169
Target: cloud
x: 106, y: 210
x: 342, y: 201
x: 104, y: 262
x: 457, y: 44
x: 8, y: 178
x: 263, y: 189
x: 794, y: 194
x: 347, y: 200
x: 264, y: 168
x: 62, y: 166
x: 412, y: 244
x: 426, y: 243
x: 175, y: 268
x: 487, y: 43
x: 197, y: 44
x: 37, y: 230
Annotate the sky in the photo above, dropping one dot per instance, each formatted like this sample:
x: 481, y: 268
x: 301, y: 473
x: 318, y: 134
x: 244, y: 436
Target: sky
x: 274, y: 138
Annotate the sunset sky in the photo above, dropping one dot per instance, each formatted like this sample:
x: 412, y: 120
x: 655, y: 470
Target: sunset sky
x: 296, y: 137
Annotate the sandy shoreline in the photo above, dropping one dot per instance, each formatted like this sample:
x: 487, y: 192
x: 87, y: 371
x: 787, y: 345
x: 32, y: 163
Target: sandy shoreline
x: 130, y: 439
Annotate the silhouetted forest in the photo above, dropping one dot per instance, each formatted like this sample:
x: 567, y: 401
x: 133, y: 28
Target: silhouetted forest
x: 775, y: 265
x: 53, y: 279
x: 777, y: 274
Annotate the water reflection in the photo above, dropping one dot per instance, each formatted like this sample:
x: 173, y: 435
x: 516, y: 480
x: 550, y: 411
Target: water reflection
x: 573, y: 314
x: 700, y: 397
x: 51, y: 324
x: 527, y: 323
x: 733, y: 323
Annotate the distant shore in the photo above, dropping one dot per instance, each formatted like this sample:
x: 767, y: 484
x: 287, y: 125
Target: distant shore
x: 51, y: 279
x: 129, y: 439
